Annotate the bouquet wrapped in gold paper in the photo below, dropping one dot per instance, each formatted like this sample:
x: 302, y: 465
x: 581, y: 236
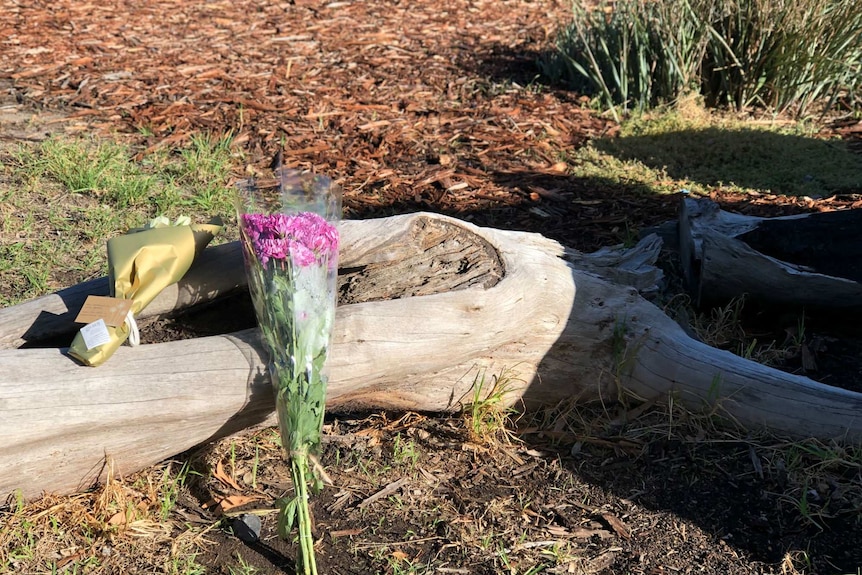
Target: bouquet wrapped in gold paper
x: 141, y: 263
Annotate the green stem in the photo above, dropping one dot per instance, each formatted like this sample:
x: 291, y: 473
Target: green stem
x: 298, y: 467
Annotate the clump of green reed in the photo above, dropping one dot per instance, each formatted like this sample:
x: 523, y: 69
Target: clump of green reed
x: 635, y: 54
x: 784, y: 55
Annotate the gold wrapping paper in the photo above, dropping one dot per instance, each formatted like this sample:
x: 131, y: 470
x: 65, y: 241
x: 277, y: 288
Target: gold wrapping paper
x: 141, y: 264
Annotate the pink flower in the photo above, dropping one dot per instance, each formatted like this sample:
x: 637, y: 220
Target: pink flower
x: 300, y: 254
x: 306, y: 238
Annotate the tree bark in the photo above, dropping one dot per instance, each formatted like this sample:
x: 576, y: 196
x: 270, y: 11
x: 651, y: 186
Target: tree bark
x: 811, y: 261
x: 482, y: 304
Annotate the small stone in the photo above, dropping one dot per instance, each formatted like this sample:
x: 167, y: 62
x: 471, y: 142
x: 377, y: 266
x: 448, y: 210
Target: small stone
x: 247, y: 527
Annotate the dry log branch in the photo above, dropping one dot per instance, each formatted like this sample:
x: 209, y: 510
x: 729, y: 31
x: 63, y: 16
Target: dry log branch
x: 472, y: 302
x: 809, y: 260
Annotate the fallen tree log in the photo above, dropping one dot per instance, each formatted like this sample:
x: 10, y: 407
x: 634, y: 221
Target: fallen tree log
x: 811, y: 261
x: 511, y: 307
x: 219, y: 272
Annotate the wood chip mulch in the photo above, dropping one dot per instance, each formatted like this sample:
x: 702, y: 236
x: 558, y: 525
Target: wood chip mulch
x: 419, y: 105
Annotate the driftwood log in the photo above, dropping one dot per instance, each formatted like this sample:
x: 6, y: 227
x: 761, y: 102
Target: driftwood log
x: 431, y: 306
x: 811, y: 261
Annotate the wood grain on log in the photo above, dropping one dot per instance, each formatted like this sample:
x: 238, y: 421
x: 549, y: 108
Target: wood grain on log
x: 556, y: 332
x: 731, y: 268
x: 429, y: 256
x: 419, y: 352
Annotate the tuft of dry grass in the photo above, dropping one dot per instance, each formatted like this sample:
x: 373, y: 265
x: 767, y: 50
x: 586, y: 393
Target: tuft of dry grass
x: 405, y: 484
x: 489, y: 413
x: 119, y: 526
x: 723, y: 327
x: 817, y: 480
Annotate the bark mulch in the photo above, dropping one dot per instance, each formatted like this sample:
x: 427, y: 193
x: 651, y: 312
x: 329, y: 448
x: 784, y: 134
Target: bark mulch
x: 410, y: 105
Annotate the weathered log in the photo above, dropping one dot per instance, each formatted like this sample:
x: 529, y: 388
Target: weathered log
x: 367, y: 273
x: 811, y: 260
x: 555, y: 331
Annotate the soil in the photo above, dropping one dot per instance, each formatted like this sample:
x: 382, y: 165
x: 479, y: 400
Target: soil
x: 602, y: 505
x: 422, y: 106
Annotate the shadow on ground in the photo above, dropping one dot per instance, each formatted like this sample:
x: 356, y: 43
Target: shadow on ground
x: 707, y: 497
x: 749, y: 158
x: 584, y: 213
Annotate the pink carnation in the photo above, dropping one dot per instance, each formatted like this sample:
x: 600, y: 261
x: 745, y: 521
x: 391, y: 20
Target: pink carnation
x: 306, y: 238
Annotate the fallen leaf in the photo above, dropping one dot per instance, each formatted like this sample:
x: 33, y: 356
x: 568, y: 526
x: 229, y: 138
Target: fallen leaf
x: 224, y: 477
x: 617, y: 525
x: 118, y: 518
x: 229, y: 502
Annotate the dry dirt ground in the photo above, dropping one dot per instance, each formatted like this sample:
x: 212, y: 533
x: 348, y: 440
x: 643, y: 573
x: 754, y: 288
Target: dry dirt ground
x: 434, y: 106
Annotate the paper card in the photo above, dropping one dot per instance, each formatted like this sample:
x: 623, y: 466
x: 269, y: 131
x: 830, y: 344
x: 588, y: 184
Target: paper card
x: 95, y: 334
x: 110, y: 309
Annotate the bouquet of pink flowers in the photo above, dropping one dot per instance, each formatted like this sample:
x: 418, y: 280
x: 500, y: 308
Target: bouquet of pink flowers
x: 291, y: 254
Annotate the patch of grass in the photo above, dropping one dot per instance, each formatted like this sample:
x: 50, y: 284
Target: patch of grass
x: 185, y: 564
x: 171, y: 486
x: 64, y: 198
x: 489, y: 411
x: 118, y: 527
x: 687, y: 147
x: 700, y: 151
x: 818, y: 480
x: 632, y: 54
x: 781, y: 345
x: 722, y: 327
x: 405, y: 453
x: 85, y: 166
x: 204, y: 166
x: 242, y: 567
x: 782, y: 55
x: 551, y: 554
x: 816, y: 474
x: 397, y: 563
